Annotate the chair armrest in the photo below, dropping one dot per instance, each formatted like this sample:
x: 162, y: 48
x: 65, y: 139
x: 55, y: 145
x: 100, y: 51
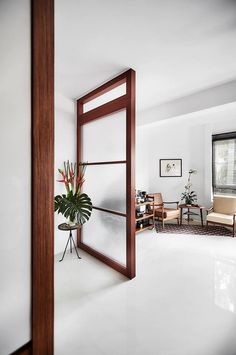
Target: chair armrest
x: 159, y: 205
x: 208, y: 210
x: 170, y: 202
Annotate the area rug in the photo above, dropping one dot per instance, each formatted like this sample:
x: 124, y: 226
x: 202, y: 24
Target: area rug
x: 193, y: 229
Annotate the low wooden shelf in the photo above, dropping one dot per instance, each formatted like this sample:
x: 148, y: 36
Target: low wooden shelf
x: 146, y: 216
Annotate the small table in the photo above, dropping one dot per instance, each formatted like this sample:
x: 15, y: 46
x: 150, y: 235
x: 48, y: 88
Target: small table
x: 189, y: 213
x: 66, y: 227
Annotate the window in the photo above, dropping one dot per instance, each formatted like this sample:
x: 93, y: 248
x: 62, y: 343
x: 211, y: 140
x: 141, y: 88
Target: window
x: 224, y: 163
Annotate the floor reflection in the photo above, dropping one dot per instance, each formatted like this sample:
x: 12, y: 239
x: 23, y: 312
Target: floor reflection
x: 225, y: 284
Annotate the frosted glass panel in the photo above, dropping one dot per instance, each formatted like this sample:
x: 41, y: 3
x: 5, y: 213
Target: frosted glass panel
x: 106, y: 233
x: 108, y: 96
x: 105, y: 138
x: 106, y: 186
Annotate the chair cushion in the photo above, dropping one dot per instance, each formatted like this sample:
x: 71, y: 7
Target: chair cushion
x: 220, y: 218
x: 224, y: 204
x: 169, y: 213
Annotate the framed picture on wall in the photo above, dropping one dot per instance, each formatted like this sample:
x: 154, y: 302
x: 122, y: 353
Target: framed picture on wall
x: 170, y: 167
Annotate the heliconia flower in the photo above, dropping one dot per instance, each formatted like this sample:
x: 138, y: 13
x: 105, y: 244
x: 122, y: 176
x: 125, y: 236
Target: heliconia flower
x: 73, y: 176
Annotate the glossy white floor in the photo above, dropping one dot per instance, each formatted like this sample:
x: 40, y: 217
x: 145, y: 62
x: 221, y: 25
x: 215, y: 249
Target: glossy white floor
x: 182, y: 302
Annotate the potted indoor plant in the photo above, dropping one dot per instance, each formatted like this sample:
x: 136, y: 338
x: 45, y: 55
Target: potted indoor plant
x: 74, y: 205
x: 189, y: 196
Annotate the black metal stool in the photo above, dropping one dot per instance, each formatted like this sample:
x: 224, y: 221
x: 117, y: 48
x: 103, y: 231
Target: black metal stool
x: 66, y: 227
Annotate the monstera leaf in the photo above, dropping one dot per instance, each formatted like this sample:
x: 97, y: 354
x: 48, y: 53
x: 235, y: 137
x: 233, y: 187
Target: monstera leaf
x: 73, y: 206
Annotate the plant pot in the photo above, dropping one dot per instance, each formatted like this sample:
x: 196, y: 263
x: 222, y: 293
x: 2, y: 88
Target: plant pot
x: 71, y: 223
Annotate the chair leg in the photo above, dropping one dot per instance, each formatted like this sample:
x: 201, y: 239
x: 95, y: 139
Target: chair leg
x: 163, y: 223
x: 233, y: 230
x: 206, y: 224
x: 178, y: 221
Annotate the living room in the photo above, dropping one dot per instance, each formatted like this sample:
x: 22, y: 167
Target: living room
x: 182, y: 290
x: 85, y: 280
x: 190, y: 138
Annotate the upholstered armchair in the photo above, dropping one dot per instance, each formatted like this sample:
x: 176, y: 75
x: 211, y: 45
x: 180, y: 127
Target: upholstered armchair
x: 162, y: 213
x: 222, y: 212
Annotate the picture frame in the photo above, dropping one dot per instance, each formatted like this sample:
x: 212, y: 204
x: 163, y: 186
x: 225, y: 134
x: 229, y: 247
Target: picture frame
x: 170, y: 167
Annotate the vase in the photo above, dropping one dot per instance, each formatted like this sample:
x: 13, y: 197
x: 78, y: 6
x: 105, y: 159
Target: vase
x: 71, y: 223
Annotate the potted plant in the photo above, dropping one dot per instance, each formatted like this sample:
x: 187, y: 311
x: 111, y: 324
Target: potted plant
x: 189, y: 196
x: 75, y: 206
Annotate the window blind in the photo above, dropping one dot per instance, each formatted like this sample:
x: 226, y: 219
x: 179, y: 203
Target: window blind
x: 224, y: 163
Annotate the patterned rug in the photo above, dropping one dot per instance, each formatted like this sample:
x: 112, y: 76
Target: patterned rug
x: 193, y: 229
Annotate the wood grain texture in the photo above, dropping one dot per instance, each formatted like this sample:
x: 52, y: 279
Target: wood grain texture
x: 127, y: 102
x: 105, y: 109
x: 107, y: 162
x: 102, y: 89
x: 80, y: 108
x: 130, y: 176
x: 105, y: 259
x: 110, y: 211
x: 42, y: 176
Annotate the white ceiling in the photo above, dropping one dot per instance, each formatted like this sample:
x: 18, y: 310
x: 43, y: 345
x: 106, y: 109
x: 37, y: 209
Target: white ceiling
x: 177, y: 47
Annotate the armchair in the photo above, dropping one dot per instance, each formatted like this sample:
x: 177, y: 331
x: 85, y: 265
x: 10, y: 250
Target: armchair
x: 163, y: 213
x: 222, y: 212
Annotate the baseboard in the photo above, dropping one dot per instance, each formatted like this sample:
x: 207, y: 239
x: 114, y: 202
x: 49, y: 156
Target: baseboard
x: 24, y: 350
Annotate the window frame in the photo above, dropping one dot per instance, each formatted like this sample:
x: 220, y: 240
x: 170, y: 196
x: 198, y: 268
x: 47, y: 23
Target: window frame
x: 215, y: 138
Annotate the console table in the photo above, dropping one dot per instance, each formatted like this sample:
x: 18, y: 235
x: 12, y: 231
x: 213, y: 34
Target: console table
x: 190, y: 213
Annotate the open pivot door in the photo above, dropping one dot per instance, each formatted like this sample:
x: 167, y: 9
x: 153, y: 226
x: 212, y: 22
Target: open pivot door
x: 106, y: 140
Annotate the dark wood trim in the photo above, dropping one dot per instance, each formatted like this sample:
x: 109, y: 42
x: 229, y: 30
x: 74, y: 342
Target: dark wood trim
x: 24, y: 350
x: 106, y: 260
x: 108, y: 162
x: 130, y: 176
x: 222, y: 224
x: 127, y: 102
x: 42, y: 176
x: 79, y: 145
x: 105, y: 110
x: 106, y: 87
x: 110, y: 211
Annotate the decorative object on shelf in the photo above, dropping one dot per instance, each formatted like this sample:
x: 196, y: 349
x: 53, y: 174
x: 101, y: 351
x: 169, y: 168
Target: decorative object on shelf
x: 140, y: 196
x: 144, y: 216
x: 74, y: 205
x: 189, y: 196
x: 170, y: 167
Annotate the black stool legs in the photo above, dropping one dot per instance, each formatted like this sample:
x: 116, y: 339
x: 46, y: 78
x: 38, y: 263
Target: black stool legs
x: 71, y: 240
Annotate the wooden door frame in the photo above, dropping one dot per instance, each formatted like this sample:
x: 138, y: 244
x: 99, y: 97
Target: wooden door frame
x: 42, y: 12
x: 42, y: 181
x: 42, y: 49
x: 124, y: 102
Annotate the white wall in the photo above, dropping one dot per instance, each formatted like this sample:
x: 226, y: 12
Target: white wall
x: 15, y: 175
x: 187, y: 137
x: 65, y: 149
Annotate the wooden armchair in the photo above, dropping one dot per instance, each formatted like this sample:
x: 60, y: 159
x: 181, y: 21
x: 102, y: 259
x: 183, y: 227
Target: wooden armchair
x: 223, y: 212
x: 163, y: 213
